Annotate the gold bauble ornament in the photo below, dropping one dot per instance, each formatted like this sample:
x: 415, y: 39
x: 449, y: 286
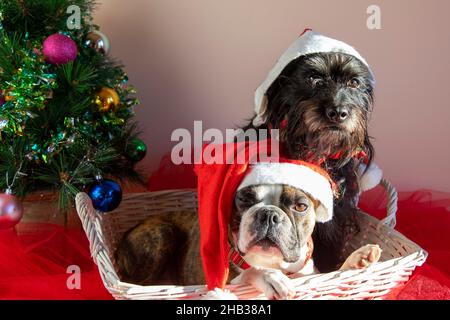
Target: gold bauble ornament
x: 7, y: 96
x: 107, y: 100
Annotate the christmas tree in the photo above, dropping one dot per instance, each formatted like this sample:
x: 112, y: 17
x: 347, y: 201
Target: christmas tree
x: 65, y: 105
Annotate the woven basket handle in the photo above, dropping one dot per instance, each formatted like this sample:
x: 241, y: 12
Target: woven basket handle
x: 84, y: 206
x: 392, y: 197
x: 89, y: 220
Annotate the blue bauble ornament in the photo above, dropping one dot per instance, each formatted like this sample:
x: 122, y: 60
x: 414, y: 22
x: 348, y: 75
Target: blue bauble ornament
x: 106, y: 195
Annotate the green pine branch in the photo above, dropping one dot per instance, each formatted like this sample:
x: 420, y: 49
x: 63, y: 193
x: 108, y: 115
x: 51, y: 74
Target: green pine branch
x: 39, y: 18
x: 55, y: 133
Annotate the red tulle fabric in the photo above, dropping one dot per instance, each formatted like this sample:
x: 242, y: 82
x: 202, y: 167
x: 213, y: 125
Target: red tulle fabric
x: 34, y: 265
x: 423, y: 217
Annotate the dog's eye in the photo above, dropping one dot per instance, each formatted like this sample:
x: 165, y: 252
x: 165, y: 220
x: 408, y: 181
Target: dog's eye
x: 245, y: 199
x: 354, y: 83
x: 316, y: 81
x: 301, y: 207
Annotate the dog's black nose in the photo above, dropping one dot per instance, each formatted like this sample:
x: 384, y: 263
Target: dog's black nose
x: 339, y: 114
x: 270, y: 217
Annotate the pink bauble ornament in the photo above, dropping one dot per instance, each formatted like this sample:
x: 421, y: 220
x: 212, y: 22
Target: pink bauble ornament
x: 11, y: 211
x: 59, y: 49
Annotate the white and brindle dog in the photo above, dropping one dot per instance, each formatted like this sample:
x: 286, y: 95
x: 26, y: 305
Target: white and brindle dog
x: 271, y: 230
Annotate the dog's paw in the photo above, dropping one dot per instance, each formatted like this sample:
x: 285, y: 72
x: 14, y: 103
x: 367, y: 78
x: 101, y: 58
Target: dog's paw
x: 276, y: 285
x: 273, y: 283
x: 363, y: 257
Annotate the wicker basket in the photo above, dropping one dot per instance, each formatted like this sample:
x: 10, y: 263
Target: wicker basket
x: 399, y: 258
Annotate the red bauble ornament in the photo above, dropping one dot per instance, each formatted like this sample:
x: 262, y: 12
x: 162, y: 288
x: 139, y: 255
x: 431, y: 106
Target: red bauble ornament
x: 11, y: 211
x: 59, y: 49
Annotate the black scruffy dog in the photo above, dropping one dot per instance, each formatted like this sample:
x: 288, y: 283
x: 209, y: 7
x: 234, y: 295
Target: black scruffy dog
x: 321, y: 104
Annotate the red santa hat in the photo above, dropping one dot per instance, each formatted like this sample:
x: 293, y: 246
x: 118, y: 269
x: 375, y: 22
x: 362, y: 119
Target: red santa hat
x: 309, y: 42
x: 217, y: 186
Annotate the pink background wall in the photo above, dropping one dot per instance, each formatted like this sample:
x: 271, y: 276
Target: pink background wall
x: 203, y: 59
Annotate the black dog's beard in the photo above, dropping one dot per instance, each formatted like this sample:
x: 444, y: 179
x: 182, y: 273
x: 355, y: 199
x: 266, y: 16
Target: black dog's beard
x: 308, y: 137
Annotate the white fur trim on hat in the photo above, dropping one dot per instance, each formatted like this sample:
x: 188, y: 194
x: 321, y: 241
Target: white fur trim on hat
x: 219, y: 294
x: 297, y: 176
x: 309, y: 42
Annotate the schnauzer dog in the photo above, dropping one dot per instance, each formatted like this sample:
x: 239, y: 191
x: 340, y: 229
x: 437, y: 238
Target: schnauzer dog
x: 321, y: 103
